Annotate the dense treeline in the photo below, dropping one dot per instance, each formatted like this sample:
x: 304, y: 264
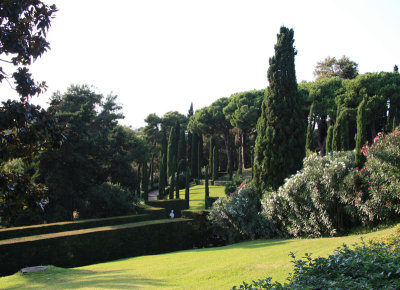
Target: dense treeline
x: 75, y: 157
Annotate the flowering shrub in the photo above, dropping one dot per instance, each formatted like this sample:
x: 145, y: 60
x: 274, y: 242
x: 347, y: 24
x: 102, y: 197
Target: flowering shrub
x: 378, y: 197
x: 237, y: 217
x: 316, y: 201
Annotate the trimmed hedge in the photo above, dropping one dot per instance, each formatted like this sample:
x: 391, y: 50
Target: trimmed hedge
x: 84, y: 247
x: 216, y: 182
x: 172, y: 204
x: 77, y: 225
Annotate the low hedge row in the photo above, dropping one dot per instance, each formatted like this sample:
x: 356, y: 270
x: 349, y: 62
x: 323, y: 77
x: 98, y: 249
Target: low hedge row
x: 84, y: 247
x: 11, y: 233
x: 216, y: 182
x: 172, y: 204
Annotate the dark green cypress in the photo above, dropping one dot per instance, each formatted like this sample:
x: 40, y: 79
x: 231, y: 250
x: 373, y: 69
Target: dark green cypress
x: 145, y: 182
x: 139, y: 180
x: 164, y: 155
x: 161, y: 180
x: 328, y: 141
x: 207, y: 190
x: 187, y: 184
x: 361, y: 136
x: 211, y: 155
x: 172, y: 184
x: 310, y: 129
x: 189, y: 138
x: 152, y: 172
x: 199, y: 156
x: 339, y: 142
x: 214, y: 172
x: 171, y: 155
x: 193, y: 163
x: 182, y: 151
x: 280, y: 143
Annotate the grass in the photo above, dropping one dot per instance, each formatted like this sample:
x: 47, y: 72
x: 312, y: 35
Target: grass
x: 210, y: 268
x: 197, y: 195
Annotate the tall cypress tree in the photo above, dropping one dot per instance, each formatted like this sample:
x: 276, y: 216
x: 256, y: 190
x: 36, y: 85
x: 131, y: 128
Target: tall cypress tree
x: 161, y: 180
x: 171, y: 155
x: 211, y: 154
x: 199, y: 156
x: 187, y: 184
x: 361, y: 136
x: 328, y: 141
x: 172, y: 184
x: 152, y: 172
x: 164, y: 154
x: 145, y: 182
x: 193, y: 164
x: 280, y: 144
x: 182, y: 151
x: 310, y: 129
x: 189, y: 138
x: 215, y: 164
x: 207, y: 190
x: 139, y: 181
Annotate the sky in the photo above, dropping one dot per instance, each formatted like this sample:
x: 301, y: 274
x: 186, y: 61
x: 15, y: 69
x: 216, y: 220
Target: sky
x: 159, y: 56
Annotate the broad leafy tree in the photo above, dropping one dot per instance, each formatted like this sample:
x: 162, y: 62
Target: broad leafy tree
x: 331, y: 67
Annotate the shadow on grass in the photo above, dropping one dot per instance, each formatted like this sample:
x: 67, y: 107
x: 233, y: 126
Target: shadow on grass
x: 62, y: 278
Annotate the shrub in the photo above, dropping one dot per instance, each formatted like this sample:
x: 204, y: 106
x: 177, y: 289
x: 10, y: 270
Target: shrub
x: 378, y: 196
x: 237, y: 217
x: 232, y: 186
x: 316, y: 201
x: 107, y: 200
x: 368, y: 266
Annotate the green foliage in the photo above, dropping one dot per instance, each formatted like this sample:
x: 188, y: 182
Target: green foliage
x: 172, y: 186
x: 215, y: 164
x: 106, y: 200
x: 162, y: 181
x: 16, y: 232
x: 182, y: 151
x: 232, y: 186
x: 378, y: 195
x: 328, y: 142
x: 187, y: 184
x: 331, y: 67
x: 194, y: 156
x: 361, y: 136
x: 237, y: 217
x: 199, y: 156
x: 280, y: 144
x: 369, y: 265
x: 207, y: 190
x: 171, y: 153
x: 310, y: 129
x: 317, y: 201
x: 96, y: 245
x: 145, y: 181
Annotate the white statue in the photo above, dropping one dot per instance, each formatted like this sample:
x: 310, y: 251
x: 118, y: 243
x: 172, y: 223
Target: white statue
x: 172, y: 215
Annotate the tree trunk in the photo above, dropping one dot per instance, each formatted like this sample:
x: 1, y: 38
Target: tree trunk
x: 373, y: 129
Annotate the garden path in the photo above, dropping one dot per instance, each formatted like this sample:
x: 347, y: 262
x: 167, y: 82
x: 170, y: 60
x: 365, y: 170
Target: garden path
x: 153, y: 194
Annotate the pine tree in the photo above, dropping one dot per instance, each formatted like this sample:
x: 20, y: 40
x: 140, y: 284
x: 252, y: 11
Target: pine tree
x: 280, y: 143
x: 171, y: 152
x: 361, y: 136
x: 207, y: 190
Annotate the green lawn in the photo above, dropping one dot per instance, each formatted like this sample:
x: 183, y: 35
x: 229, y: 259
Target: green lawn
x: 211, y: 268
x: 197, y: 195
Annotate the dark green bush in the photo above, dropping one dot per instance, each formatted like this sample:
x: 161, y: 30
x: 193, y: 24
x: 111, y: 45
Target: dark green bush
x: 367, y: 266
x: 232, y: 186
x: 78, y: 248
x: 16, y: 232
x: 107, y: 200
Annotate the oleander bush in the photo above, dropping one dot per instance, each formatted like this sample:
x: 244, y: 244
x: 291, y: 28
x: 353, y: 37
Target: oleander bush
x: 316, y: 201
x: 378, y: 194
x: 238, y: 217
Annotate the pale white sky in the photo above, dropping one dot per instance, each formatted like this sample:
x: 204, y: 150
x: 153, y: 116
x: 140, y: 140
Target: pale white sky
x: 160, y: 56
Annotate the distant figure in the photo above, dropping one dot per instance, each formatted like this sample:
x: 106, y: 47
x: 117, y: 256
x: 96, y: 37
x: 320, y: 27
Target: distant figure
x: 172, y: 215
